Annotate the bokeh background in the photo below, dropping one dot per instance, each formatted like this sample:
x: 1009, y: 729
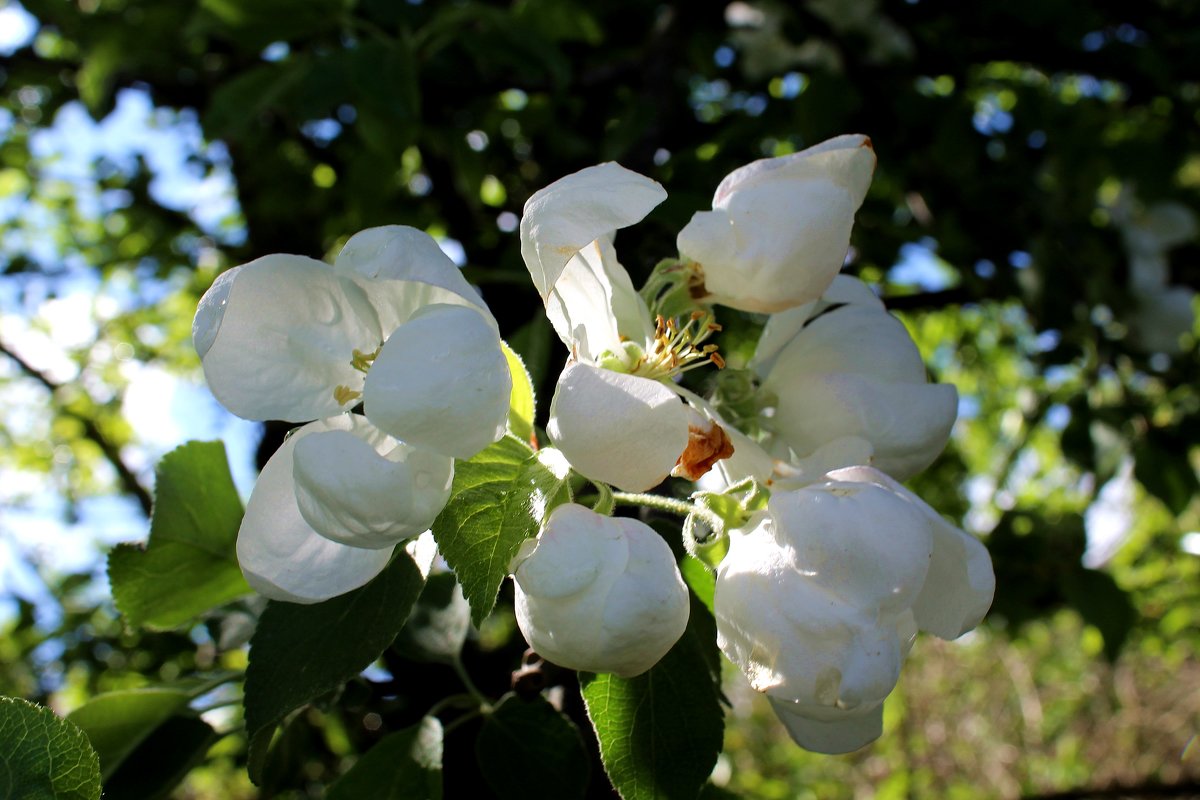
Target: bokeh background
x: 1033, y: 221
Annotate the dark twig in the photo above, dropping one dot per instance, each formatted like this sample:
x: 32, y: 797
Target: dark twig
x: 128, y: 480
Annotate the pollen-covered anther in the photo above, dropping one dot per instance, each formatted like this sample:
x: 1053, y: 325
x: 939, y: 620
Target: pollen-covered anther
x: 707, y: 444
x: 676, y: 349
x: 362, y: 361
x: 344, y: 394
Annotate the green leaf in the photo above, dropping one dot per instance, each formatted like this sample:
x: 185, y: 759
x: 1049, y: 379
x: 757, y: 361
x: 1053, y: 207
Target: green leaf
x: 534, y: 342
x: 300, y: 652
x: 43, y: 756
x: 1101, y: 602
x: 438, y: 625
x: 660, y: 732
x: 189, y: 565
x: 527, y: 750
x: 117, y: 722
x: 406, y: 765
x: 161, y: 761
x: 498, y: 500
x: 521, y: 404
x: 702, y: 580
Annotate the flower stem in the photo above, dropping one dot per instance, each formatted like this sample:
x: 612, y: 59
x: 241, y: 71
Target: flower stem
x: 479, y: 696
x: 656, y: 501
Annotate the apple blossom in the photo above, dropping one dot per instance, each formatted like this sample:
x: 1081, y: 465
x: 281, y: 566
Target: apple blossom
x: 821, y: 594
x: 780, y: 227
x: 331, y: 504
x: 615, y: 415
x: 600, y: 594
x: 288, y: 337
x: 845, y: 367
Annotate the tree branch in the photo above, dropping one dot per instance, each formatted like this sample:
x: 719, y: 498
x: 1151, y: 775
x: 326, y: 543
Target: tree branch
x: 128, y: 480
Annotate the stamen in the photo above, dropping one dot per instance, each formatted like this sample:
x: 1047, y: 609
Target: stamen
x: 344, y: 394
x: 678, y: 348
x: 362, y: 361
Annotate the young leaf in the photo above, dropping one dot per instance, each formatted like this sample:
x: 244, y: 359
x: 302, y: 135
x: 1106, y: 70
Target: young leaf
x: 299, y: 652
x: 527, y: 749
x: 117, y: 722
x: 660, y: 732
x: 402, y: 766
x: 43, y: 756
x: 189, y: 565
x: 521, y: 404
x: 499, y: 500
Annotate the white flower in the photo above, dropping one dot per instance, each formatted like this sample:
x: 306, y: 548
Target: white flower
x: 331, y: 505
x: 780, y: 227
x: 392, y: 322
x: 615, y: 415
x: 821, y: 595
x: 845, y: 367
x: 599, y: 594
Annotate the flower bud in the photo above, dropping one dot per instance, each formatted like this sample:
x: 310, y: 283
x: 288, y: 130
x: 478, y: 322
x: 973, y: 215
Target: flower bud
x: 821, y: 595
x: 599, y: 594
x: 780, y: 227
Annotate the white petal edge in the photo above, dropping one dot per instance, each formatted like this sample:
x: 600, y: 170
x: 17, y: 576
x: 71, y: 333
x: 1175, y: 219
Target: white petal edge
x: 571, y: 213
x: 843, y: 734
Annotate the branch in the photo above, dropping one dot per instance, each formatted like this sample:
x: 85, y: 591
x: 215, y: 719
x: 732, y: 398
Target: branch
x: 128, y: 480
x: 1148, y: 789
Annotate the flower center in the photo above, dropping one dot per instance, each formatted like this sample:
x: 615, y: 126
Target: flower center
x: 676, y: 349
x: 362, y: 362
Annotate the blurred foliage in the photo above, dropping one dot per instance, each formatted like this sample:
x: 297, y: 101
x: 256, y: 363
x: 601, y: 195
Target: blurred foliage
x: 1024, y: 146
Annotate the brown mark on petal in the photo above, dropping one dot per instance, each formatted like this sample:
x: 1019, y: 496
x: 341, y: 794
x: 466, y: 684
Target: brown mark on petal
x: 696, y: 288
x: 706, y: 446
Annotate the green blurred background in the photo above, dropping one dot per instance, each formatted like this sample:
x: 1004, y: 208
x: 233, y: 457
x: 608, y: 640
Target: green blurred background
x: 1033, y: 221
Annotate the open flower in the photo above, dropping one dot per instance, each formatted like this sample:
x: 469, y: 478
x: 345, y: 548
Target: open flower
x: 616, y: 415
x: 842, y: 367
x: 392, y: 324
x: 599, y: 594
x: 779, y: 228
x: 821, y: 595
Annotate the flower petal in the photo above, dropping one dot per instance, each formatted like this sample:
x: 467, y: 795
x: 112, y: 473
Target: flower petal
x: 620, y: 429
x: 402, y: 269
x: 907, y: 424
x: 361, y: 487
x: 282, y: 557
x: 959, y: 587
x: 441, y: 382
x: 593, y: 305
x: 844, y: 733
x: 276, y: 337
x: 783, y: 327
x: 571, y: 213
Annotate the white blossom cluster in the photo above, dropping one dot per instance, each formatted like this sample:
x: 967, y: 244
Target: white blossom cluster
x: 830, y: 566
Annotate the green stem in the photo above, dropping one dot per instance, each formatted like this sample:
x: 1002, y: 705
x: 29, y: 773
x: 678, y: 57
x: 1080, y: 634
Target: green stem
x: 455, y: 700
x: 656, y: 501
x: 479, y: 696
